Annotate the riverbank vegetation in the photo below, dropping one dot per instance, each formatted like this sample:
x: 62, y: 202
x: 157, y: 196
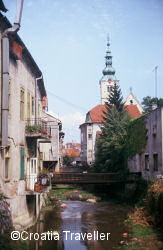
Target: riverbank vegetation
x: 146, y: 220
x: 64, y: 192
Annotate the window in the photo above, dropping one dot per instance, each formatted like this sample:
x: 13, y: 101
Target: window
x: 89, y: 153
x: 7, y: 163
x: 147, y: 162
x: 90, y: 136
x: 28, y: 106
x: 109, y: 88
x: 22, y: 104
x: 155, y: 161
x: 131, y: 101
x: 7, y: 168
x: 33, y: 105
x: 22, y: 155
x: 33, y: 166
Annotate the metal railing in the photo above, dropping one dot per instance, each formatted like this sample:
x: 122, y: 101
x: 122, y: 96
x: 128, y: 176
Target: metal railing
x: 84, y: 178
x: 37, y: 127
x: 37, y: 183
x: 94, y: 178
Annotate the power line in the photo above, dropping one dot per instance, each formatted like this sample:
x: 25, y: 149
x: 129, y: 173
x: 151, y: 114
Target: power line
x: 67, y: 102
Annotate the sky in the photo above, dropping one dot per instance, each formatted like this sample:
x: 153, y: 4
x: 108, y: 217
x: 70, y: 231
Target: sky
x: 67, y: 39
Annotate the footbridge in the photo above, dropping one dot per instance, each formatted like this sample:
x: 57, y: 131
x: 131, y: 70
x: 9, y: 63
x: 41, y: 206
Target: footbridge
x: 92, y: 178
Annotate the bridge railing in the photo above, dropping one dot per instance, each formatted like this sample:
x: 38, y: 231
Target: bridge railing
x: 92, y: 177
x: 87, y: 177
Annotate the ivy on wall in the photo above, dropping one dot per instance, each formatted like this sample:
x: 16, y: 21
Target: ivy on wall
x: 136, y: 137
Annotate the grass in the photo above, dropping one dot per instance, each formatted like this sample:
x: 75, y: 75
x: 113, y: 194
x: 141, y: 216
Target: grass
x: 139, y: 231
x: 62, y: 192
x: 7, y: 244
x: 132, y: 246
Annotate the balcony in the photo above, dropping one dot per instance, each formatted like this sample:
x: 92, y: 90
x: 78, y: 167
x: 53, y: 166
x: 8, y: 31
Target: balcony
x: 37, y: 183
x: 37, y: 128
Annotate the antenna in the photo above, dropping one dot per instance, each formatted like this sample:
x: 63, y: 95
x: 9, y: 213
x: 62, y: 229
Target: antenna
x: 155, y: 70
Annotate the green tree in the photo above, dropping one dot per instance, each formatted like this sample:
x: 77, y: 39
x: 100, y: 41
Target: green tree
x: 115, y: 98
x: 67, y: 160
x: 110, y: 145
x: 148, y: 101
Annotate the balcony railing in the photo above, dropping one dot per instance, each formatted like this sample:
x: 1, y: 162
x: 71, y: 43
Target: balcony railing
x: 37, y: 183
x: 37, y: 128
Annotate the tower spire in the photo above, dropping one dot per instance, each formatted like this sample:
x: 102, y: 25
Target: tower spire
x: 108, y: 79
x: 109, y: 71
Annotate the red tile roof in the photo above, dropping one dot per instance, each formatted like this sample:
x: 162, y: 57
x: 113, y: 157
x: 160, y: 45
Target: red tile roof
x: 133, y: 111
x: 72, y: 152
x: 97, y: 113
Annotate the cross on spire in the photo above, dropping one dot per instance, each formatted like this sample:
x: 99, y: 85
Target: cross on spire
x: 108, y: 39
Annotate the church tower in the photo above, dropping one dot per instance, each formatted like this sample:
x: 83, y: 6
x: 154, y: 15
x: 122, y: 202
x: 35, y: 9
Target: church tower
x: 109, y: 79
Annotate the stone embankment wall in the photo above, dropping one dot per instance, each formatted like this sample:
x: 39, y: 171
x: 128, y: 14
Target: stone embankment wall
x: 5, y: 216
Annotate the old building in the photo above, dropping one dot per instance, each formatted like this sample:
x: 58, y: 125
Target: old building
x: 24, y: 127
x: 72, y: 150
x: 50, y: 152
x: 91, y: 128
x: 150, y: 161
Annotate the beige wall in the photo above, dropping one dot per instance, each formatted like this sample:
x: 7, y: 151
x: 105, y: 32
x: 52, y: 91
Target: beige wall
x: 12, y: 187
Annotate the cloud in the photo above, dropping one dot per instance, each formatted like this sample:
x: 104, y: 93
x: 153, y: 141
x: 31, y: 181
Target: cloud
x: 71, y: 124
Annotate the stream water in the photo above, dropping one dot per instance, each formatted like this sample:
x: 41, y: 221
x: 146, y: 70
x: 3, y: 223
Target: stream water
x: 79, y: 219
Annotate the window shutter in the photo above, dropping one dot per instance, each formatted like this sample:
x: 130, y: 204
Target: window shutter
x: 21, y: 163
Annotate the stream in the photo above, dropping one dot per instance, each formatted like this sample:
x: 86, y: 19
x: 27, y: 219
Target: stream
x: 80, y: 226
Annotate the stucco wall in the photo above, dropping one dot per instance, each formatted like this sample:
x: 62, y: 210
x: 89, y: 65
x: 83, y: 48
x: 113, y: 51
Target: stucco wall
x: 12, y: 187
x: 88, y: 144
x: 154, y: 125
x: 132, y: 100
x: 83, y: 133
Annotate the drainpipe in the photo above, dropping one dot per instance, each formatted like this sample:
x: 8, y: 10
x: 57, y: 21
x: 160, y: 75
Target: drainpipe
x: 36, y: 80
x: 5, y: 71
